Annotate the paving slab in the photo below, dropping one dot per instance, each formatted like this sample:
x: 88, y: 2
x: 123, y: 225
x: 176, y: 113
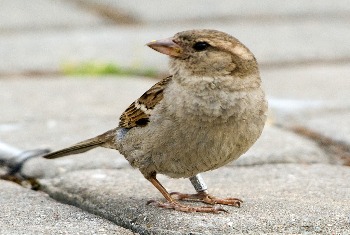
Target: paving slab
x: 17, y: 15
x: 24, y: 211
x: 278, y: 199
x: 275, y: 43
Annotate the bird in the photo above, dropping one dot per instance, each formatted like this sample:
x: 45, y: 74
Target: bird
x: 208, y: 112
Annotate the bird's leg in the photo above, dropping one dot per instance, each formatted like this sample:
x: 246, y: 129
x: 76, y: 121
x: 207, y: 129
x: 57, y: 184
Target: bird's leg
x: 203, y: 195
x: 174, y: 204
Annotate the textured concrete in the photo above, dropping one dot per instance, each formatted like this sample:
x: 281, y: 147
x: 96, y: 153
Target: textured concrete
x: 286, y: 199
x: 23, y: 211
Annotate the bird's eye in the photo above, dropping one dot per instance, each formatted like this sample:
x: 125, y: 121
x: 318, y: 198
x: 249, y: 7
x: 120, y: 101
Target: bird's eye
x: 201, y: 46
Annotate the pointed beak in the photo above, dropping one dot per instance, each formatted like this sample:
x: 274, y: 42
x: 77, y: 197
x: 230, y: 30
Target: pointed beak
x: 166, y: 46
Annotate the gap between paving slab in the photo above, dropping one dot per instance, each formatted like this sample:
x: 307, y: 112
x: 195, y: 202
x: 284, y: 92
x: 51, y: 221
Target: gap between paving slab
x: 339, y: 150
x: 113, y: 14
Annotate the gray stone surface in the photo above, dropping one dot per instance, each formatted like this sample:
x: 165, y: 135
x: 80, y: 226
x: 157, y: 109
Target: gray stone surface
x: 303, y: 49
x: 23, y: 211
x: 278, y: 199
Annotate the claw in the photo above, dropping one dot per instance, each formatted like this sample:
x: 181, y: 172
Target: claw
x: 207, y: 198
x: 150, y: 202
x: 184, y: 208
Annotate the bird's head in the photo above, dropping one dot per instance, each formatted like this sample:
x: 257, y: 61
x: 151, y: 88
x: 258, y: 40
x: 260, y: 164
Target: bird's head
x: 209, y: 53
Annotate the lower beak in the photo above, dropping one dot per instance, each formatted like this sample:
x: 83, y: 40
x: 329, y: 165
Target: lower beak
x: 166, y: 46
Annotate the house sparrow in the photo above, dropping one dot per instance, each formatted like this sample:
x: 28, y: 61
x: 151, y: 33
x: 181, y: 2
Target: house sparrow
x: 207, y: 113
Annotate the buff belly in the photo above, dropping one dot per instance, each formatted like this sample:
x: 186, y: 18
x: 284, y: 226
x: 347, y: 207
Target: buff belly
x: 196, y: 149
x: 204, y: 150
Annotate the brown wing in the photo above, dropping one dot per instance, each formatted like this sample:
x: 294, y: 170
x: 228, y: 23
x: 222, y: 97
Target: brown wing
x: 138, y: 113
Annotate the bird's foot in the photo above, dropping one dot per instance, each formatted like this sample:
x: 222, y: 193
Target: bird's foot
x: 186, y: 208
x: 207, y: 198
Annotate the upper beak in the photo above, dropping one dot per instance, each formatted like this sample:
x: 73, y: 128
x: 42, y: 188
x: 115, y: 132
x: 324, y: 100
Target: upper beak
x: 166, y: 46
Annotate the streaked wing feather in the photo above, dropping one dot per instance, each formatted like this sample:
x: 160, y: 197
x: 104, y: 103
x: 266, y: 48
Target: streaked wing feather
x: 138, y: 113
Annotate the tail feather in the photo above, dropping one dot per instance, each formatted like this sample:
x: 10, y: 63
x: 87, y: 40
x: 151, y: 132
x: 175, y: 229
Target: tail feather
x: 106, y: 139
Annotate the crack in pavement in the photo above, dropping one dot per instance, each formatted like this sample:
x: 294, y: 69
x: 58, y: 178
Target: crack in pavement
x: 338, y: 149
x: 112, y: 14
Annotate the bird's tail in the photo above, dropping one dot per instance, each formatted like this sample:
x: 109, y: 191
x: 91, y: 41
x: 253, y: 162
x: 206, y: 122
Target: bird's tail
x: 106, y: 139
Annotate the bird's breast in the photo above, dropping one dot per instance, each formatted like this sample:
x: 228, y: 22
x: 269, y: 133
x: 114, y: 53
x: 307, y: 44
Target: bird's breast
x: 206, y: 102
